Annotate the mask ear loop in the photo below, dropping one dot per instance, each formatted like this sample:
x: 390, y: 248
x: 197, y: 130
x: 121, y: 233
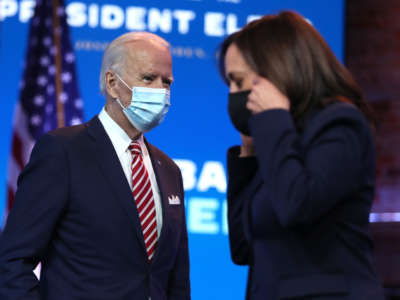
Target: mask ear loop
x: 120, y: 104
x: 116, y: 74
x: 117, y: 99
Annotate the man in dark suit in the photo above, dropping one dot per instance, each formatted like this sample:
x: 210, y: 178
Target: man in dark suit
x: 97, y: 205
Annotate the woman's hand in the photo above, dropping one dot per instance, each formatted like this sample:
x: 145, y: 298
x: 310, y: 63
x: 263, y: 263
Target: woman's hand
x: 247, y: 147
x: 265, y: 96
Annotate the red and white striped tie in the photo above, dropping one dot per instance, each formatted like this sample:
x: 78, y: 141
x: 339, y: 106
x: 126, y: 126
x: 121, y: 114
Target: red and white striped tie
x: 143, y: 195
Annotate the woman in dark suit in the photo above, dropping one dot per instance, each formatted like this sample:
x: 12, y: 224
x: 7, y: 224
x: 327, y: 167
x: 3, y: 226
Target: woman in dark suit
x: 301, y: 185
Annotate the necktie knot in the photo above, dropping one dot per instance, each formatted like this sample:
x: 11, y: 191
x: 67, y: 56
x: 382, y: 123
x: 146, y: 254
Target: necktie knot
x: 134, y: 147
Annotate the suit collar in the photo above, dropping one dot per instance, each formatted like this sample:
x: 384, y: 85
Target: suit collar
x: 111, y: 169
x: 163, y: 177
x: 159, y: 171
x: 117, y: 135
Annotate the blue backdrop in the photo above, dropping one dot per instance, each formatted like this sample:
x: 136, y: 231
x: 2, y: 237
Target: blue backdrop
x: 196, y: 131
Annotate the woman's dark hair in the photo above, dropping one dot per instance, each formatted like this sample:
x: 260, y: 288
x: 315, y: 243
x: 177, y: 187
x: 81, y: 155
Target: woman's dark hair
x: 288, y: 51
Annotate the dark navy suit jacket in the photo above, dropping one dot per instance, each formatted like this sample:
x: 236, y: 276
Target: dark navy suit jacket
x: 299, y: 211
x: 74, y: 212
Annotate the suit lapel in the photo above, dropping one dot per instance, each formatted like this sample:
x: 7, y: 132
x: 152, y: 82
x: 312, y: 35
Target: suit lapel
x: 112, y: 170
x: 163, y: 181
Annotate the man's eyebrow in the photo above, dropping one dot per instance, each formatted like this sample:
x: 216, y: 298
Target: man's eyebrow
x: 152, y: 74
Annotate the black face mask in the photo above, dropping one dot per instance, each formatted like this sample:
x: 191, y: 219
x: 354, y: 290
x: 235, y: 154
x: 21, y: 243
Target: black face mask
x: 238, y: 112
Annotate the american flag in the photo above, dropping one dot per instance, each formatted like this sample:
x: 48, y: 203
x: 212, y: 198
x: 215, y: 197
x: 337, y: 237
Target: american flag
x: 49, y: 96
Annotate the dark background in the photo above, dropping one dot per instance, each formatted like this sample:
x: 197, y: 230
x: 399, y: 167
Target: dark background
x: 372, y: 53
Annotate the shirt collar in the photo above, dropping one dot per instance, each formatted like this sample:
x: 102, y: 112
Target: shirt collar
x: 118, y: 136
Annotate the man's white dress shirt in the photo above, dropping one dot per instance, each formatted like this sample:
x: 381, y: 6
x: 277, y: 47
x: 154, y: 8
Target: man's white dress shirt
x: 121, y: 142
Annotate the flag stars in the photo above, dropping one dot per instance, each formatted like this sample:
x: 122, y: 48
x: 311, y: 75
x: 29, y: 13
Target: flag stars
x: 63, y: 97
x: 52, y: 69
x: 36, y: 120
x: 70, y: 57
x: 45, y: 61
x: 39, y: 100
x: 66, y: 77
x: 47, y: 127
x: 42, y: 80
x: 49, y: 109
x: 50, y: 84
x: 53, y: 50
x: 76, y: 121
x: 60, y: 11
x: 50, y: 89
x: 78, y: 103
x: 47, y: 41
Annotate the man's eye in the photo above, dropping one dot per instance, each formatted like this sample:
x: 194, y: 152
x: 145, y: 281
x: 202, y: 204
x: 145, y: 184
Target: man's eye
x: 148, y: 78
x: 239, y: 83
x: 167, y: 82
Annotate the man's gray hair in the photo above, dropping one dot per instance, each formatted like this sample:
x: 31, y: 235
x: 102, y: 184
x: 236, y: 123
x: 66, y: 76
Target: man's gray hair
x: 115, y: 53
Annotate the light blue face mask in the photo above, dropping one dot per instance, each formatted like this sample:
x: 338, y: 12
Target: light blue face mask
x: 148, y: 107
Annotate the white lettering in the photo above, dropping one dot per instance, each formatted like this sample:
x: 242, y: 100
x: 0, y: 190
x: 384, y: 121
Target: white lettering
x: 184, y: 17
x: 158, y: 20
x: 93, y: 16
x: 109, y: 16
x: 188, y: 169
x: 135, y: 18
x: 224, y: 218
x: 213, y: 24
x: 212, y: 175
x: 253, y: 17
x: 112, y: 17
x: 76, y: 13
x: 8, y: 8
x: 231, y: 24
x: 202, y: 215
x: 26, y: 10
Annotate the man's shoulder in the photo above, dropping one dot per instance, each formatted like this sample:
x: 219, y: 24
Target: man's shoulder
x: 68, y: 137
x: 72, y: 132
x: 68, y: 131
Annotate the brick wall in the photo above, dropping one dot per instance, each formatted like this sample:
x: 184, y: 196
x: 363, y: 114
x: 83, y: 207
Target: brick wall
x: 373, y: 57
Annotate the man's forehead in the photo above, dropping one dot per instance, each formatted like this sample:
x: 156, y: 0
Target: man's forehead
x: 145, y: 58
x: 134, y: 46
x: 145, y: 41
x: 147, y: 52
x: 146, y: 36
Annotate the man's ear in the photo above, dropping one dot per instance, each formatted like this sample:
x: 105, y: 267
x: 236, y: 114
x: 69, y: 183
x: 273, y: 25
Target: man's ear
x: 111, y: 84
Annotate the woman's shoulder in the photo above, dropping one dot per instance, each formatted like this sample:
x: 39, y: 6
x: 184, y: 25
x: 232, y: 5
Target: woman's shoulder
x: 340, y: 115
x: 339, y: 111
